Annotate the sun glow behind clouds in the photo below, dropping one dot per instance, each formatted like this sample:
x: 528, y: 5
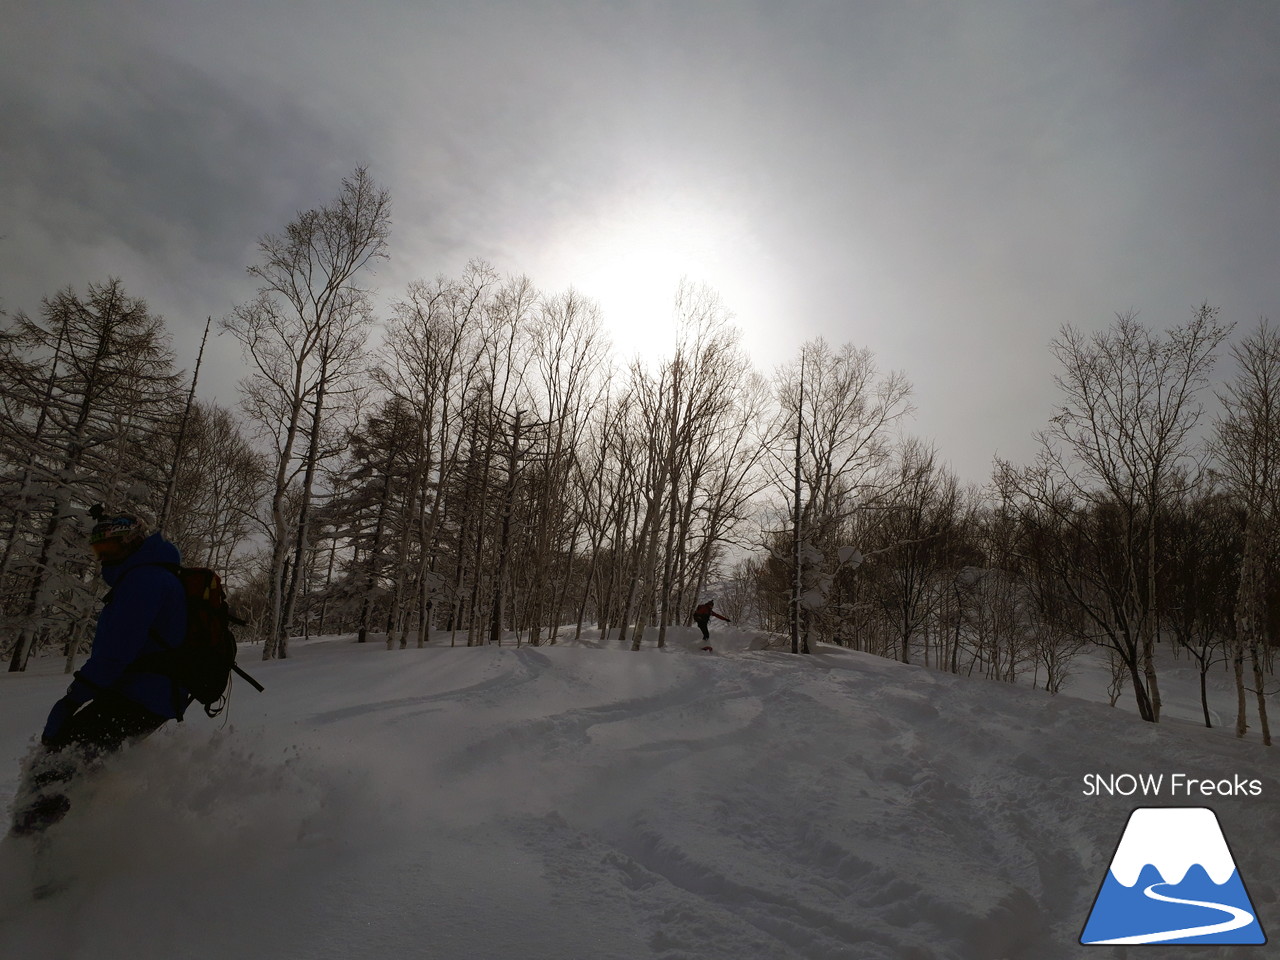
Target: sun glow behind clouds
x: 631, y: 257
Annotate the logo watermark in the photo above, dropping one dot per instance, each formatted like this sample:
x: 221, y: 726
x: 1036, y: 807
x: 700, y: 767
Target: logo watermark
x: 1171, y: 784
x: 1172, y: 879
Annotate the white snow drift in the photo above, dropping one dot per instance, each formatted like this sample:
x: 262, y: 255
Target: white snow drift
x: 583, y: 802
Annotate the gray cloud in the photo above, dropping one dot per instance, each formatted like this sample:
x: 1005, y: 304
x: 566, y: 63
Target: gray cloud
x: 945, y: 183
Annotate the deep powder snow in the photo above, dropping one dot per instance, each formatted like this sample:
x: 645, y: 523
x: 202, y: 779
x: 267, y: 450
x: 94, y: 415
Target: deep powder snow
x: 573, y: 801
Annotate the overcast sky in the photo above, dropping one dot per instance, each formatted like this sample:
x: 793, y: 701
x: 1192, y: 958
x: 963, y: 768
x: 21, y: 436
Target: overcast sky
x: 945, y: 183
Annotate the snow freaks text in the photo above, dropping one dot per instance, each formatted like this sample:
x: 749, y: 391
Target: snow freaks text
x: 1168, y: 785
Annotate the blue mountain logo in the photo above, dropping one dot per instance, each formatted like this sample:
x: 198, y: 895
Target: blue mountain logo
x: 1172, y: 880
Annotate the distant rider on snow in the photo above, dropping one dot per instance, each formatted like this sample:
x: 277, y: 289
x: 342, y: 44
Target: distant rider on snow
x: 702, y: 615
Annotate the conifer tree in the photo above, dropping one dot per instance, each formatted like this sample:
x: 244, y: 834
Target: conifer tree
x: 92, y: 388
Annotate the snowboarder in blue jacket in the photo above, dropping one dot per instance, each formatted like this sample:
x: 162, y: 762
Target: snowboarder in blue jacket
x: 110, y: 702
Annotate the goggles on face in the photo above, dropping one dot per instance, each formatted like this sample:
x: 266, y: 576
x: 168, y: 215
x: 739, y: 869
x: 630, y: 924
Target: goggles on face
x: 123, y: 528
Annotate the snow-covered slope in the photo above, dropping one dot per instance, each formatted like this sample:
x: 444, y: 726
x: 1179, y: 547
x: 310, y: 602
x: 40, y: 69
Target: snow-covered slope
x: 583, y: 802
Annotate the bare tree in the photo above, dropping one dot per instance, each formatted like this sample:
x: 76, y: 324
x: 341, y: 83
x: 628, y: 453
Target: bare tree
x: 682, y: 407
x: 1201, y: 536
x: 1248, y: 454
x: 838, y: 423
x: 567, y: 360
x: 219, y: 488
x: 303, y: 336
x: 432, y: 360
x: 921, y: 540
x: 1117, y: 448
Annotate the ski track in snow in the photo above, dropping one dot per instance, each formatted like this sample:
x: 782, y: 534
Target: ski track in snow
x: 575, y: 802
x: 727, y: 717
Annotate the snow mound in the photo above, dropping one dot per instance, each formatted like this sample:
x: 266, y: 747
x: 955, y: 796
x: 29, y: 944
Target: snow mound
x: 584, y: 801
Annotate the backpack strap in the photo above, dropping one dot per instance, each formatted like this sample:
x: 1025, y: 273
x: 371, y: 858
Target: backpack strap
x: 257, y: 686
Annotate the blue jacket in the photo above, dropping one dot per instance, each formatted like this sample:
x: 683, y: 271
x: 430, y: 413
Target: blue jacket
x: 147, y: 613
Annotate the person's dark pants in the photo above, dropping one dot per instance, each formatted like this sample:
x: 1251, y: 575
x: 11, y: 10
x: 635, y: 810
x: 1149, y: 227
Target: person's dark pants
x: 702, y: 625
x: 96, y: 730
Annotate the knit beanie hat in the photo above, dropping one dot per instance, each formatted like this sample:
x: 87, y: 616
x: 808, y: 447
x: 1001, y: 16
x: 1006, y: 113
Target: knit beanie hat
x: 126, y: 528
